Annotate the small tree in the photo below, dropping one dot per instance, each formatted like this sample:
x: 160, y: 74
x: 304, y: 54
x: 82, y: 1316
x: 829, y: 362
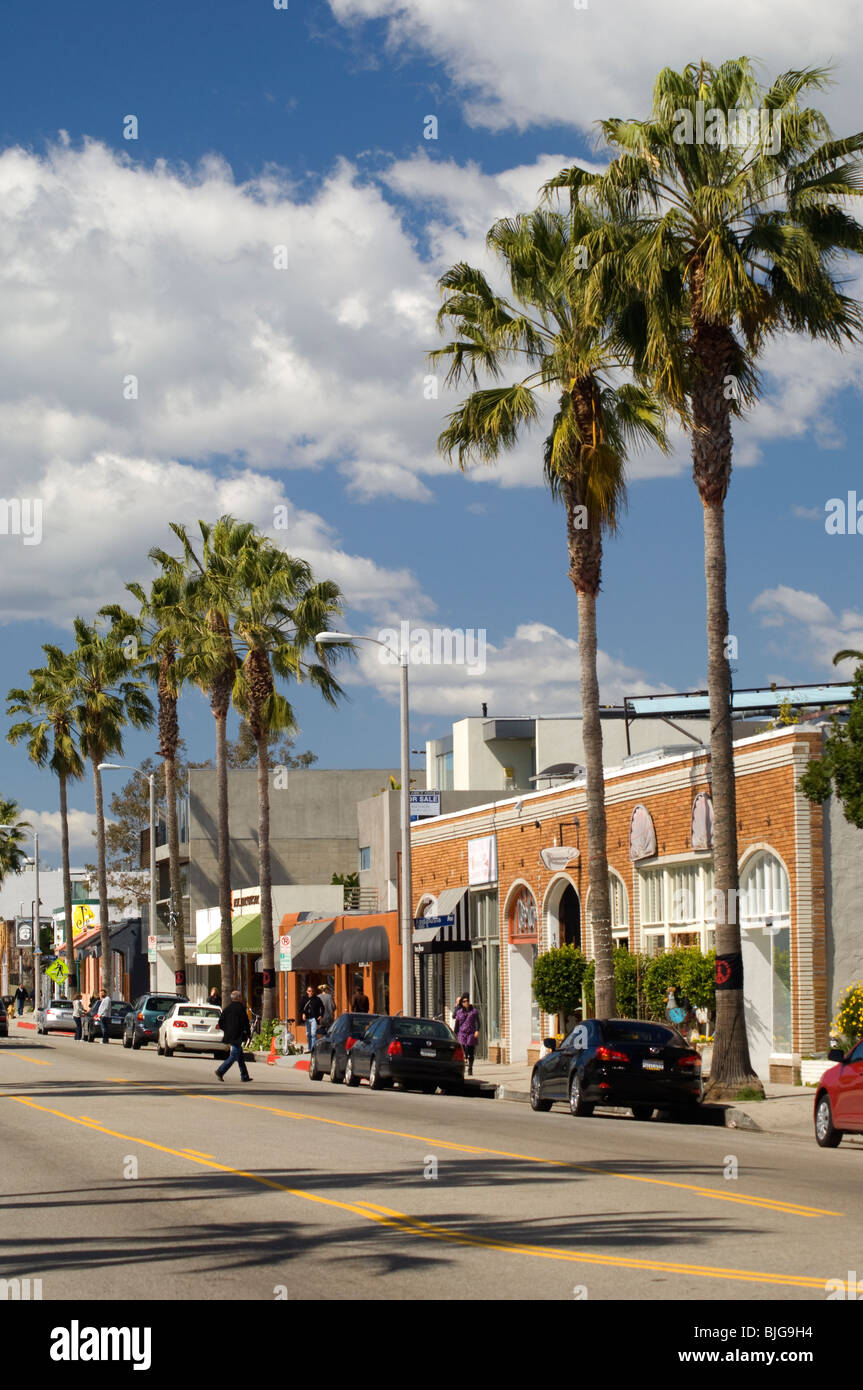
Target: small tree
x: 629, y: 973
x: 840, y: 768
x: 557, y: 979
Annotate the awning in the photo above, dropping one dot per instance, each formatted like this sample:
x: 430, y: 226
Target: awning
x: 356, y: 944
x: 245, y: 933
x: 308, y: 942
x: 448, y: 924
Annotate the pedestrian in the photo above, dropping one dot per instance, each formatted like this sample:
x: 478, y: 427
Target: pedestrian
x: 21, y: 996
x: 466, y: 1018
x: 674, y: 1013
x: 234, y: 1023
x: 329, y: 1004
x: 104, y: 1013
x: 360, y: 1001
x: 78, y: 1015
x: 311, y: 1015
x: 214, y: 997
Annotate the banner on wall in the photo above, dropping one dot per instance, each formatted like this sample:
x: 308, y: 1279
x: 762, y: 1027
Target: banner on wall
x: 482, y: 860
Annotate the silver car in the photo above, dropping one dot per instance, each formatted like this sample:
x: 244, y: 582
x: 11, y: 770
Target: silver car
x: 56, y: 1016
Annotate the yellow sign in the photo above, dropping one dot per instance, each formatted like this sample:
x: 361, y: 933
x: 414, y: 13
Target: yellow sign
x: 83, y: 918
x: 58, y: 971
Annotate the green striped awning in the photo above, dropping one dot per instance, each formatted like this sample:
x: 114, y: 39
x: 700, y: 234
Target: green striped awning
x: 246, y: 931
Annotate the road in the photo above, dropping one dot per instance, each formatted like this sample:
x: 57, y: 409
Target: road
x: 138, y: 1177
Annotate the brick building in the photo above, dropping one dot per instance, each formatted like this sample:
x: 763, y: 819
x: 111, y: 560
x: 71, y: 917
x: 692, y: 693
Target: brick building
x: 508, y: 879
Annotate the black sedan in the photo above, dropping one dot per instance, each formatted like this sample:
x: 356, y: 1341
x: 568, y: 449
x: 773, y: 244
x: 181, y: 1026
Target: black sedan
x: 330, y: 1053
x: 416, y: 1052
x: 620, y: 1062
x: 90, y: 1030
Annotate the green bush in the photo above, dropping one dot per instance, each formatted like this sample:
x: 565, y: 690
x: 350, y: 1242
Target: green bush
x: 629, y: 972
x: 691, y: 974
x: 848, y: 1023
x: 557, y: 979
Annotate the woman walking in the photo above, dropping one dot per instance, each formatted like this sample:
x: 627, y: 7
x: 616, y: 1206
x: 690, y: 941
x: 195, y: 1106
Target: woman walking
x: 466, y: 1027
x: 78, y: 1015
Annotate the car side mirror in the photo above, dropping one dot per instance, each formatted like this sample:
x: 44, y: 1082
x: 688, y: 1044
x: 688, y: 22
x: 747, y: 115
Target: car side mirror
x: 550, y: 1043
x: 834, y: 1055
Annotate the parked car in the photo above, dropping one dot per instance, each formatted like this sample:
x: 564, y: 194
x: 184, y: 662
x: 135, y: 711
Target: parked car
x: 90, y: 1029
x: 839, y: 1098
x: 416, y: 1052
x: 330, y: 1052
x: 142, y: 1022
x: 55, y: 1017
x: 4, y: 1016
x: 193, y: 1028
x: 621, y: 1062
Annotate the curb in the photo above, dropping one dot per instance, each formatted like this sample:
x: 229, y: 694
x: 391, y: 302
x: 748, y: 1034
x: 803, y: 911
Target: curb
x: 712, y: 1116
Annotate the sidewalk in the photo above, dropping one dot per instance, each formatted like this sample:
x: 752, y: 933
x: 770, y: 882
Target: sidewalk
x: 787, y: 1110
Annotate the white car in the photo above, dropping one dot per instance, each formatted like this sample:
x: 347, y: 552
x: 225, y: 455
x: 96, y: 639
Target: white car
x: 192, y: 1027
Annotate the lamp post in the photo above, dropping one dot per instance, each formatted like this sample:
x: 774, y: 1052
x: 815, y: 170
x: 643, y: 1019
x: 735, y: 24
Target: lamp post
x: 406, y: 926
x: 151, y: 778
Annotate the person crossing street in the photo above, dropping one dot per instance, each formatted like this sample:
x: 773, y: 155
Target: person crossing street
x: 234, y: 1023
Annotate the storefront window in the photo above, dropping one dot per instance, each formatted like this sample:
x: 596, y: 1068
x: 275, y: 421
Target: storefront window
x: 485, y: 966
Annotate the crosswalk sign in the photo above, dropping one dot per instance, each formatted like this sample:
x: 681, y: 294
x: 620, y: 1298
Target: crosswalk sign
x: 58, y: 971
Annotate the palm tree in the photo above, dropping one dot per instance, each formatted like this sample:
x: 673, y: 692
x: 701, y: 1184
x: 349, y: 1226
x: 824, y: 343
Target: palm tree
x: 210, y: 662
x: 277, y: 610
x: 13, y: 853
x: 108, y: 697
x: 548, y: 257
x: 738, y: 239
x: 50, y: 732
x: 162, y: 624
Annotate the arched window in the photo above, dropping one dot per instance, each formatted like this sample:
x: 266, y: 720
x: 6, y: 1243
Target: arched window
x: 764, y: 889
x: 523, y: 918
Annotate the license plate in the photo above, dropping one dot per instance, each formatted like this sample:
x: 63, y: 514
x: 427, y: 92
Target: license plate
x: 201, y: 1028
x: 653, y: 1066
x: 427, y: 1052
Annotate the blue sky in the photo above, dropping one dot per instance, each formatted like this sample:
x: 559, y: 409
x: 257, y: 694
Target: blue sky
x: 304, y: 387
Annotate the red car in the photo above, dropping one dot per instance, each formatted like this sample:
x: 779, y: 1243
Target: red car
x: 839, y: 1098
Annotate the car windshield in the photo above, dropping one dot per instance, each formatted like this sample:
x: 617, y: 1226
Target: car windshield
x: 160, y: 1006
x: 197, y: 1011
x: 420, y: 1028
x: 359, y: 1024
x: 651, y: 1034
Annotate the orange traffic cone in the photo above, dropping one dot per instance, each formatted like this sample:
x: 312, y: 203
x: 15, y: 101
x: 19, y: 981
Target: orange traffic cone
x: 271, y: 1060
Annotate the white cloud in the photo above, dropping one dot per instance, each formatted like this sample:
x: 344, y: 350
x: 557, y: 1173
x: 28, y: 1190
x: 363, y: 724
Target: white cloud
x: 82, y: 825
x: 810, y: 626
x: 515, y: 64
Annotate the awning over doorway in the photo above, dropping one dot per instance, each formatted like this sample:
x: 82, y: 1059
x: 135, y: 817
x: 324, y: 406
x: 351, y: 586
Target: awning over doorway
x: 245, y: 933
x: 447, y: 935
x: 308, y: 943
x: 356, y: 944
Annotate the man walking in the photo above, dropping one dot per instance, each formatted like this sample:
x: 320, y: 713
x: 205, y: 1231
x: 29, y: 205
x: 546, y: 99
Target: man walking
x: 234, y: 1023
x: 312, y: 1013
x: 20, y: 997
x: 104, y: 1014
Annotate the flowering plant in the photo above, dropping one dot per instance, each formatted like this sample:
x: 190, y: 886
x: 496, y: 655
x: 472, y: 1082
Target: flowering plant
x: 848, y: 1022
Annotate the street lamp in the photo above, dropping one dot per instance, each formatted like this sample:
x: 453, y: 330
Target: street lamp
x: 151, y: 778
x: 323, y: 639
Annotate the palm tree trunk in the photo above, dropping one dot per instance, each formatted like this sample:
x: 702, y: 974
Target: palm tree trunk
x: 102, y: 875
x: 731, y: 1067
x: 67, y: 882
x: 268, y: 1007
x: 174, y: 873
x: 223, y: 851
x: 585, y: 571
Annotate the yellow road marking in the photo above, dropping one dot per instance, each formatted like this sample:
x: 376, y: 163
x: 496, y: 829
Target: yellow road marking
x: 765, y: 1203
x: 386, y: 1216
x: 37, y: 1061
x: 198, y: 1153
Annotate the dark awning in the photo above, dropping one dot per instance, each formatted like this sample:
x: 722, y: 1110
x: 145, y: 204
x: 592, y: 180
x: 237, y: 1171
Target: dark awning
x: 339, y: 949
x: 372, y: 943
x: 309, y: 941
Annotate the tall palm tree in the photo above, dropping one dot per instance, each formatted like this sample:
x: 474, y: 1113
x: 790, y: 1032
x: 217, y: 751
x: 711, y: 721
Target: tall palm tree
x: 277, y: 610
x: 547, y: 256
x: 209, y: 661
x: 162, y: 624
x: 108, y: 697
x: 51, y: 735
x: 738, y: 240
x: 13, y: 850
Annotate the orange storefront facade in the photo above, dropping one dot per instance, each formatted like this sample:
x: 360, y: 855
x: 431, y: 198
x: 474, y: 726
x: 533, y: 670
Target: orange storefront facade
x: 509, y: 879
x: 351, y: 951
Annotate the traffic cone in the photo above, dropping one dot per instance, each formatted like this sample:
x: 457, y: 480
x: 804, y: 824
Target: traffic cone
x: 271, y: 1060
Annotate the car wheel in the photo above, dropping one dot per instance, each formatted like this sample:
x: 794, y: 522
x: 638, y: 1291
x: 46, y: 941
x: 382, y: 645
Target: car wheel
x: 127, y: 1041
x: 577, y: 1105
x: 136, y: 1043
x: 375, y: 1078
x: 334, y: 1071
x: 536, y: 1100
x: 160, y: 1051
x: 168, y: 1051
x: 350, y: 1079
x: 642, y: 1112
x: 315, y: 1073
x: 825, y: 1134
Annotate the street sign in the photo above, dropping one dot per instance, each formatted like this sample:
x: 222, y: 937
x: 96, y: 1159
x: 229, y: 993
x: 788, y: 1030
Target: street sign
x: 447, y: 921
x: 284, y: 953
x: 58, y: 972
x: 151, y: 950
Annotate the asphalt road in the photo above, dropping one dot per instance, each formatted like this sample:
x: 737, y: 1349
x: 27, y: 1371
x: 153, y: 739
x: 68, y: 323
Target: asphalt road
x: 127, y: 1175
